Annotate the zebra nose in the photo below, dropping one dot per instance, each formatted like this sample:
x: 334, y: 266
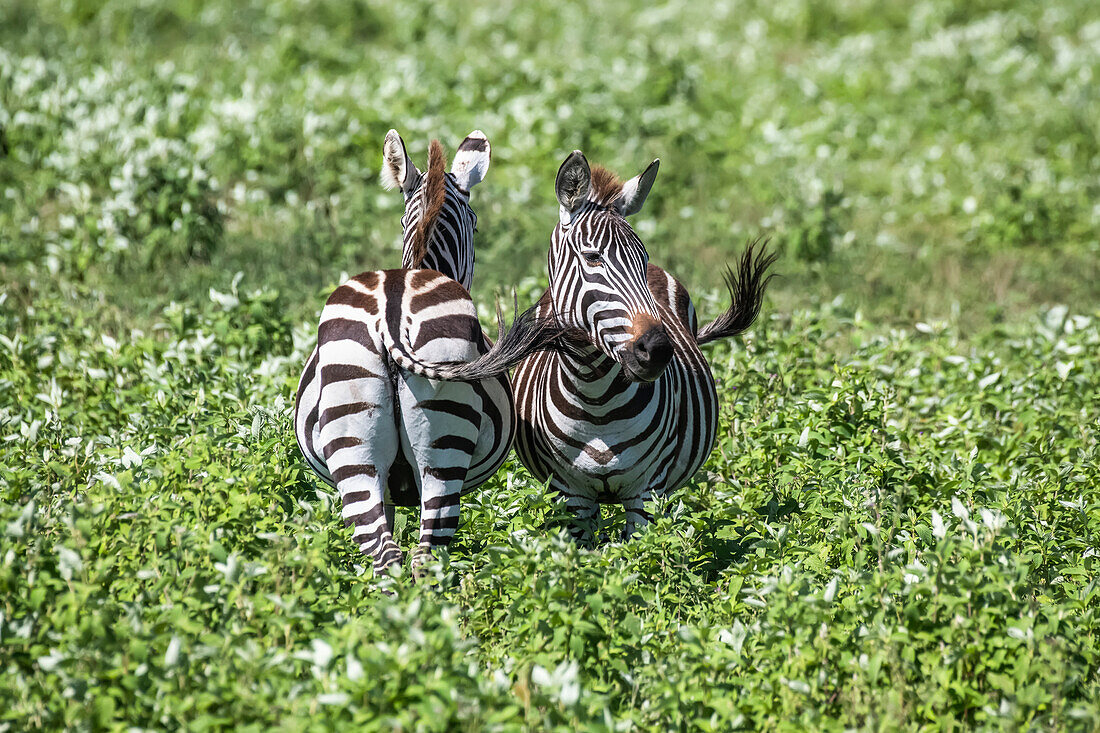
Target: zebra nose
x: 652, y: 352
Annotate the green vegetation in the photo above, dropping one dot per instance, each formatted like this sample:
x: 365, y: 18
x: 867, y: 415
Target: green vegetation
x: 899, y: 527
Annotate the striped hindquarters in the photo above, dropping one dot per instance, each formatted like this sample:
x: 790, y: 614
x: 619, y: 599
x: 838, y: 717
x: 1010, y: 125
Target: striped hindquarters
x: 423, y: 313
x: 307, y: 428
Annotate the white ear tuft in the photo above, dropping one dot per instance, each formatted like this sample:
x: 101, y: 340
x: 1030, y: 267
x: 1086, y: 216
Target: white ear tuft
x: 396, y: 165
x: 472, y: 160
x: 636, y: 190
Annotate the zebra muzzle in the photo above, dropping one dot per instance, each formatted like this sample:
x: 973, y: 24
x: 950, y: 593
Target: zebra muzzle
x: 645, y: 358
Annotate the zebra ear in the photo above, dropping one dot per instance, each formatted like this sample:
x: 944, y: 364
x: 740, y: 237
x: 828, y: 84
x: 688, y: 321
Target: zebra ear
x: 398, y: 170
x: 571, y: 185
x: 636, y: 189
x: 472, y: 160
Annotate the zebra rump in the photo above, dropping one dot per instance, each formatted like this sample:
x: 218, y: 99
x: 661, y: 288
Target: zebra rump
x: 529, y: 333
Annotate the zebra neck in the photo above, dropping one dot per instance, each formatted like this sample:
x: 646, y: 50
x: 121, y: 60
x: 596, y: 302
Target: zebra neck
x: 595, y: 377
x: 440, y: 237
x: 452, y: 259
x: 449, y: 247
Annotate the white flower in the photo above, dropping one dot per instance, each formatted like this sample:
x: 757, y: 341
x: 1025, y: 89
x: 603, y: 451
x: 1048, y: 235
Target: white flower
x: 68, y: 561
x: 173, y: 654
x: 938, y: 528
x: 562, y: 683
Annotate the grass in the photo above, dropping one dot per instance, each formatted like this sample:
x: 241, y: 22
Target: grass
x: 897, y: 528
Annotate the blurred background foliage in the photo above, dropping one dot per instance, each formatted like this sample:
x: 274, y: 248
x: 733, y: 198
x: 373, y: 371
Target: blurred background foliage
x: 923, y: 160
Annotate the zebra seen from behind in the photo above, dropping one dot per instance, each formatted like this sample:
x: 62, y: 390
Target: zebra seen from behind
x: 373, y: 416
x: 629, y: 410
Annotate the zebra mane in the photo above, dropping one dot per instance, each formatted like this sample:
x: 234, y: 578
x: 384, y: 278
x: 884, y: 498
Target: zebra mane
x: 605, y: 188
x: 435, y: 193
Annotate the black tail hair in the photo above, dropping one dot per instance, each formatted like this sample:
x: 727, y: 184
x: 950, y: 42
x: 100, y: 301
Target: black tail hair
x: 528, y: 334
x: 746, y: 287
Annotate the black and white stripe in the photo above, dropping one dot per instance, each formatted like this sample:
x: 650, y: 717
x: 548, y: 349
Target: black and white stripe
x: 374, y: 416
x: 629, y: 410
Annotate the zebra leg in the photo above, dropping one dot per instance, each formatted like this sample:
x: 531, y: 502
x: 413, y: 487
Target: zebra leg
x: 441, y: 422
x: 586, y: 515
x: 498, y: 429
x: 636, y: 515
x: 360, y: 441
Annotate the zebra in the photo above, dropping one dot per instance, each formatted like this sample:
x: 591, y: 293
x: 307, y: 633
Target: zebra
x: 371, y: 416
x: 629, y: 411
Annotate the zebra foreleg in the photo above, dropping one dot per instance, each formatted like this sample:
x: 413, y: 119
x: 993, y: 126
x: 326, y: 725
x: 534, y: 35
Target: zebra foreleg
x: 636, y: 515
x: 585, y: 513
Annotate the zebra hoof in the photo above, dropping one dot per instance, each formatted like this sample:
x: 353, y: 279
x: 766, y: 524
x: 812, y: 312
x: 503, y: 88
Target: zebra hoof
x: 419, y: 563
x: 390, y: 559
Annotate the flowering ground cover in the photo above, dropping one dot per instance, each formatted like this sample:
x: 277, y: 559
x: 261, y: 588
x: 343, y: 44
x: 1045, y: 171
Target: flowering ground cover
x: 898, y: 527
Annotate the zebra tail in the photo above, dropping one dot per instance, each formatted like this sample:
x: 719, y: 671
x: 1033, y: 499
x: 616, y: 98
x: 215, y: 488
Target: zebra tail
x: 528, y: 334
x: 746, y: 286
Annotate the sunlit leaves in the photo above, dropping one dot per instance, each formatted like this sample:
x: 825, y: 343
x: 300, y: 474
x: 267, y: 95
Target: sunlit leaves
x: 897, y: 528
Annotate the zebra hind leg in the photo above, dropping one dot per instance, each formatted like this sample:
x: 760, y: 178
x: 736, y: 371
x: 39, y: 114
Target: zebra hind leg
x: 440, y: 427
x: 360, y: 441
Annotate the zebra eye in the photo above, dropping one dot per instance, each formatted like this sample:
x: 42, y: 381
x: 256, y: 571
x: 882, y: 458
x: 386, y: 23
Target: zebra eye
x: 592, y: 258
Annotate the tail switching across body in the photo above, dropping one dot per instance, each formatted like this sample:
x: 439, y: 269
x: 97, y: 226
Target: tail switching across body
x: 372, y: 416
x: 629, y: 410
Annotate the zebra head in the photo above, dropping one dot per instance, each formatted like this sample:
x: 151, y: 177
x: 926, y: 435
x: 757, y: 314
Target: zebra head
x: 598, y: 267
x: 438, y: 225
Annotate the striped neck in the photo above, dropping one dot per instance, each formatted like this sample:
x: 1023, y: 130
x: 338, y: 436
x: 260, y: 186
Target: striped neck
x: 447, y: 235
x: 594, y: 377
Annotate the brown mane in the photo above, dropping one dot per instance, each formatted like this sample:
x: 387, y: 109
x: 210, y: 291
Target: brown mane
x: 435, y: 192
x: 605, y: 188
